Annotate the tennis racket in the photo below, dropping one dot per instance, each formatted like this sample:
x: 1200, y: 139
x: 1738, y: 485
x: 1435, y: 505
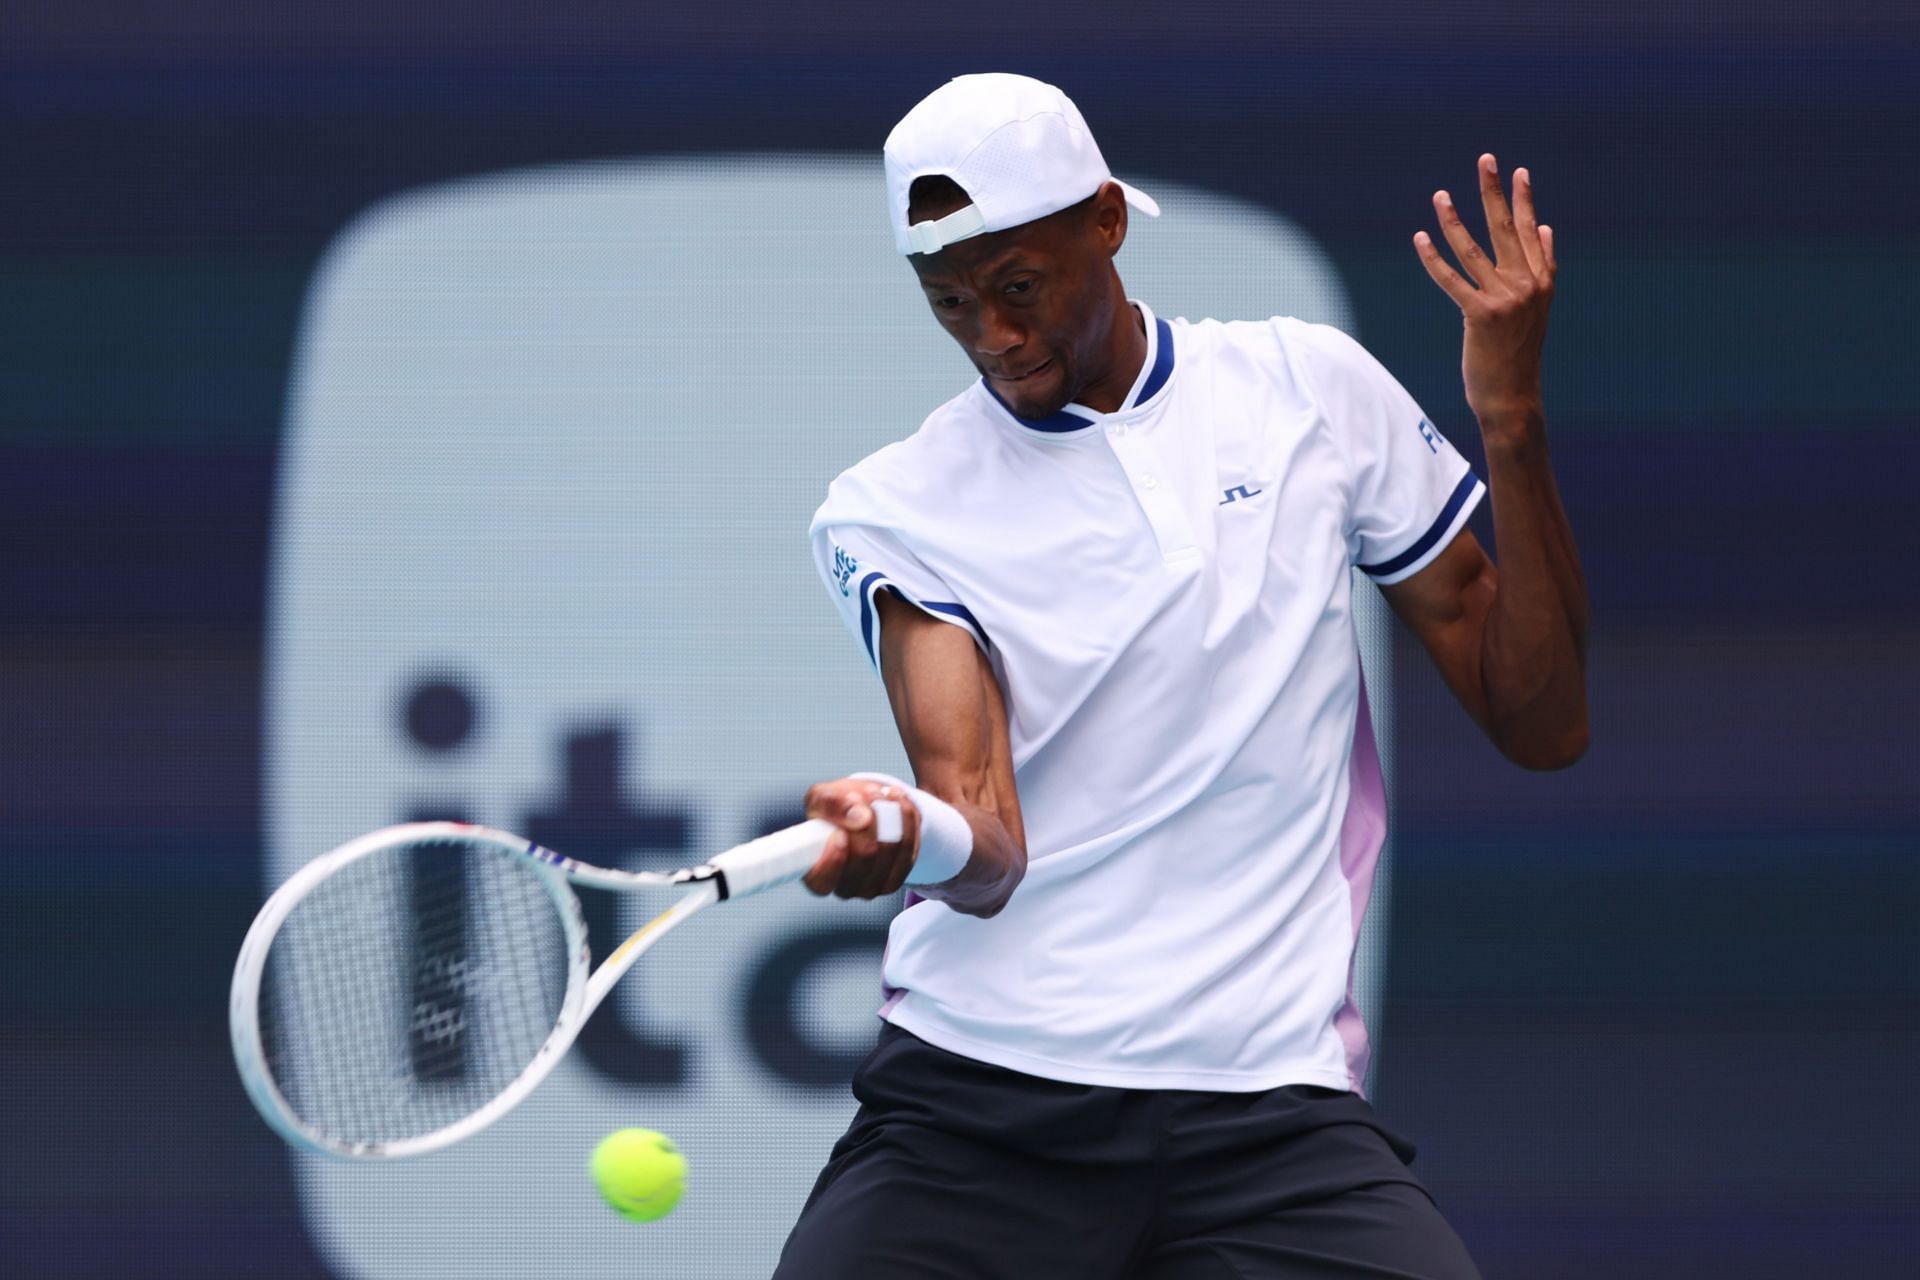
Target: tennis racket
x: 409, y: 988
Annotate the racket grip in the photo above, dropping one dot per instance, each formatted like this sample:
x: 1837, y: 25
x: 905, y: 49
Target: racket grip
x: 772, y: 859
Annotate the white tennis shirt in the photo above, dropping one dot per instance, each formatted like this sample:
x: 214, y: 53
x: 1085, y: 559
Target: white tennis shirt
x: 1164, y: 593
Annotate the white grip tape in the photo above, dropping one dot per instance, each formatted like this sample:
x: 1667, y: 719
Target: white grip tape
x: 946, y: 838
x: 773, y: 859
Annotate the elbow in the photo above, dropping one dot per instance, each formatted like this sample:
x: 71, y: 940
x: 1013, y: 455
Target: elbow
x: 988, y: 901
x: 1548, y: 754
x: 1016, y: 872
x: 983, y: 910
x: 1565, y: 756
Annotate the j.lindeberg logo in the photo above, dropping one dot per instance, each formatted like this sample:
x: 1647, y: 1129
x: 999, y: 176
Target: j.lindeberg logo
x: 1238, y: 492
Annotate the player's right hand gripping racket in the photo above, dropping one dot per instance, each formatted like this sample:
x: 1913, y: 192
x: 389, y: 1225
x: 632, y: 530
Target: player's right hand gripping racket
x: 409, y: 988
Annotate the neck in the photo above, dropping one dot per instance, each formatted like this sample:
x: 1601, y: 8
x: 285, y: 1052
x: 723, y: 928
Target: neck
x: 1128, y: 344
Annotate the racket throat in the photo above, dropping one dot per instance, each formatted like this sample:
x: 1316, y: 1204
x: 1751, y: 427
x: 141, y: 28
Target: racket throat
x: 716, y: 876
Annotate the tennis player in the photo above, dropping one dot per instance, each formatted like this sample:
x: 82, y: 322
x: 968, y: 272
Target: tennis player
x: 1107, y: 588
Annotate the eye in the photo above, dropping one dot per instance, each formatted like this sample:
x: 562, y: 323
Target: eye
x: 1020, y: 286
x: 948, y: 303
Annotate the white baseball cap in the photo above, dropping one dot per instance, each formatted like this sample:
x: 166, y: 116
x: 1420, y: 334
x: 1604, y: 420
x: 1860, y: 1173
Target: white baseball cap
x: 1016, y: 145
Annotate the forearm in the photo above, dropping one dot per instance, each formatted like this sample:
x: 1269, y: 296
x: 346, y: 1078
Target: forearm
x: 1534, y: 641
x: 953, y: 724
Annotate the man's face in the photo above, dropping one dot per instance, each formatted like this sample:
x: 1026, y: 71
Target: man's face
x: 1032, y: 305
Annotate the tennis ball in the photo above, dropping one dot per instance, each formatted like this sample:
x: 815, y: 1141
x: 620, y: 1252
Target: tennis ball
x: 640, y: 1172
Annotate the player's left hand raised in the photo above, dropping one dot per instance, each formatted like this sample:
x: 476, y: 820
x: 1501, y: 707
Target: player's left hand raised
x: 1503, y: 299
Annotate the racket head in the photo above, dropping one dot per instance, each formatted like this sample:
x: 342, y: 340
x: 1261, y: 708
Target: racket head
x: 406, y: 989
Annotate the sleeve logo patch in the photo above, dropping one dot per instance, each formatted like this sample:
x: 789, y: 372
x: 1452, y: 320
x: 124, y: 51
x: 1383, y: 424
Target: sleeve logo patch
x: 844, y: 567
x: 1431, y: 436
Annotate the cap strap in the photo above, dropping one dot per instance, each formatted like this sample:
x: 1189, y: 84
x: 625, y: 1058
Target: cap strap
x: 932, y: 237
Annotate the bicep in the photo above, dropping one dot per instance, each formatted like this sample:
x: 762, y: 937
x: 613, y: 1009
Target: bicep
x: 1445, y: 605
x: 948, y: 706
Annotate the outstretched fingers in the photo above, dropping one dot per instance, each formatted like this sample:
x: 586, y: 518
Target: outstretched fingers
x: 1475, y: 265
x: 1522, y: 261
x: 1502, y: 231
x: 1527, y: 224
x: 1503, y: 303
x: 1456, y: 286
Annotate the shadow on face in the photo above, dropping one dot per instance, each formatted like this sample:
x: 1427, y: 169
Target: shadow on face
x: 1035, y: 306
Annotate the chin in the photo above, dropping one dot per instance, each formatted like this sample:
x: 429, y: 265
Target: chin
x: 1041, y: 408
x: 1046, y: 404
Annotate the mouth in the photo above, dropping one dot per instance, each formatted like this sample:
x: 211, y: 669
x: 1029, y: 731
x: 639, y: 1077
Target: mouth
x: 1042, y: 367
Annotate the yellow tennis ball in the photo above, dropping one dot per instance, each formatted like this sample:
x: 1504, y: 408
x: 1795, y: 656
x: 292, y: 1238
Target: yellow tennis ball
x: 640, y: 1172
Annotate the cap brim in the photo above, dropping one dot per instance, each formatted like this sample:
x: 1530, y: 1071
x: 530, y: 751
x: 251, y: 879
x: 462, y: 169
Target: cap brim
x: 1139, y: 199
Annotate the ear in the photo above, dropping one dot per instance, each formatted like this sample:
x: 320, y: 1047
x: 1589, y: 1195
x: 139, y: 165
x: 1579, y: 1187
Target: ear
x: 1109, y: 217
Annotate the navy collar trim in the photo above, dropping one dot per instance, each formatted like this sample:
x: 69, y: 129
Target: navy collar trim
x: 1065, y: 421
x: 1162, y: 364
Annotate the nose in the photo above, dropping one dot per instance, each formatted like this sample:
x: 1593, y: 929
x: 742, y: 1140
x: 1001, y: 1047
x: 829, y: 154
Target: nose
x: 997, y: 335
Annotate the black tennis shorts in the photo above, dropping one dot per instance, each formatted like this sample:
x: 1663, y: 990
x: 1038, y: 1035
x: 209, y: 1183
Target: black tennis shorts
x: 960, y: 1170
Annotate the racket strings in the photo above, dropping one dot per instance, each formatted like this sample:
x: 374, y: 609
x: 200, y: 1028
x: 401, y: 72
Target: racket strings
x: 410, y: 987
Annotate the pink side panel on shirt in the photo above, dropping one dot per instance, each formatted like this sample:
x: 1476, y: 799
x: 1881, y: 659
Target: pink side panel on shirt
x: 1362, y: 833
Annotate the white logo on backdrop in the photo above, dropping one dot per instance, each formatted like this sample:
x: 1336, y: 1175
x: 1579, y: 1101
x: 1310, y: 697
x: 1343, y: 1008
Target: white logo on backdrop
x: 540, y: 561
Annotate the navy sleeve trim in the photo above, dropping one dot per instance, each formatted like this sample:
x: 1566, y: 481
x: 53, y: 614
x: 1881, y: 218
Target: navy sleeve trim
x: 870, y: 620
x: 964, y: 614
x: 868, y: 637
x: 1461, y: 492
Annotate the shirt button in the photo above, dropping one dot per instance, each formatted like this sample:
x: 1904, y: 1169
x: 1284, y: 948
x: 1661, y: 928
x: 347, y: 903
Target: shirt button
x: 1120, y: 430
x: 1148, y: 481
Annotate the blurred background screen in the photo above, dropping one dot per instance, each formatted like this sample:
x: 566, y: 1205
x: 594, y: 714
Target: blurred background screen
x: 317, y: 325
